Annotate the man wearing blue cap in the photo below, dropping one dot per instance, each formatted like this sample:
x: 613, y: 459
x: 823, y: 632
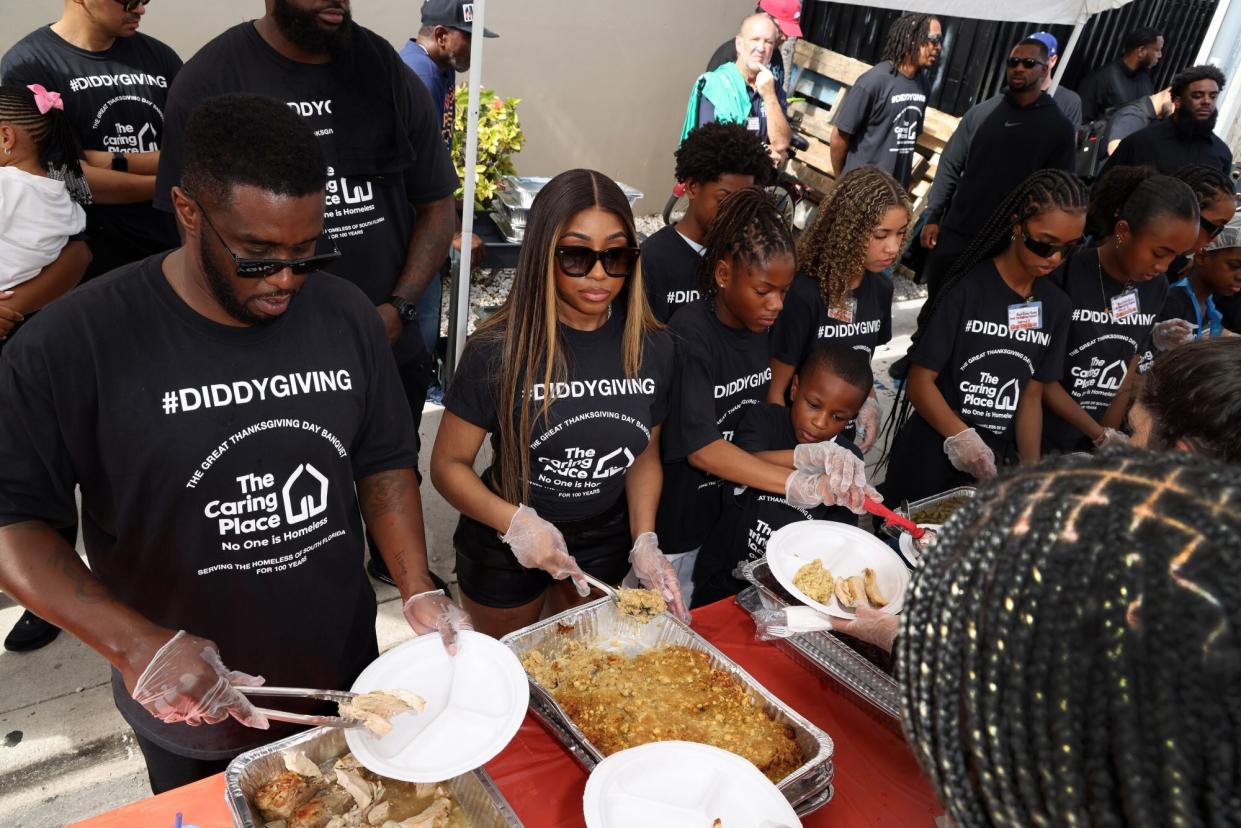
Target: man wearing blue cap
x: 1068, y: 100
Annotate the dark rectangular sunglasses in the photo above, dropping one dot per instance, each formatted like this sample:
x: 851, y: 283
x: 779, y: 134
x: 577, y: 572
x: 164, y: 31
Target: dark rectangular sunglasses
x: 1046, y: 250
x: 1028, y: 63
x: 579, y: 261
x: 1212, y: 230
x: 130, y: 5
x: 935, y: 39
x: 262, y: 268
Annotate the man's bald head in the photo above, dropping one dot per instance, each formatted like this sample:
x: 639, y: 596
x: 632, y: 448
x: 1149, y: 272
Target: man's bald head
x: 756, y: 40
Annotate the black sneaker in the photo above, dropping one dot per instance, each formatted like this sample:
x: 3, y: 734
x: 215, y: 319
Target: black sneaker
x: 30, y: 633
x: 900, y: 369
x: 379, y: 571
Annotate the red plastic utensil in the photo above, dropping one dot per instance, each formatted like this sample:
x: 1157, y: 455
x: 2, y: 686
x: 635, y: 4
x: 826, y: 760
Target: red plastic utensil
x: 879, y: 510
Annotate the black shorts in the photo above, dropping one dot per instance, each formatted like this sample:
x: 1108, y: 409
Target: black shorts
x: 488, y: 574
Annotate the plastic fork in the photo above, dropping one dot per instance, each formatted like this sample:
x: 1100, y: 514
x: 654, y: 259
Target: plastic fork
x: 337, y: 696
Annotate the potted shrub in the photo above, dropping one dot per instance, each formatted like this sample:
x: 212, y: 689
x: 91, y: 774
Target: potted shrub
x: 499, y: 137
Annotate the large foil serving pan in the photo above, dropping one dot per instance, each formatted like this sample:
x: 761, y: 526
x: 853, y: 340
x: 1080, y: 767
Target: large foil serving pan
x: 926, y: 503
x: 823, y: 651
x: 601, y: 624
x: 474, y: 792
x: 525, y: 187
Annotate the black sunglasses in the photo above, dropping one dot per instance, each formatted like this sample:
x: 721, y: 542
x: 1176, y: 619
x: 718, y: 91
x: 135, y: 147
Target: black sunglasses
x: 1045, y: 250
x: 130, y: 5
x: 262, y: 268
x: 935, y: 40
x: 1212, y: 230
x: 1028, y: 63
x: 579, y: 261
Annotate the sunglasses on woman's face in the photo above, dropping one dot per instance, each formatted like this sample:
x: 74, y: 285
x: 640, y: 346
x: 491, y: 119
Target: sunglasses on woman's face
x: 1028, y: 63
x: 1045, y: 250
x: 1212, y: 230
x: 130, y: 5
x: 579, y: 261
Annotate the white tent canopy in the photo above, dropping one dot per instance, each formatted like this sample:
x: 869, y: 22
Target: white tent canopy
x: 1046, y: 11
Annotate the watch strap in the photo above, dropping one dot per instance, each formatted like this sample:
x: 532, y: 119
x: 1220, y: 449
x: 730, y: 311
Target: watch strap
x: 119, y: 162
x: 406, y: 309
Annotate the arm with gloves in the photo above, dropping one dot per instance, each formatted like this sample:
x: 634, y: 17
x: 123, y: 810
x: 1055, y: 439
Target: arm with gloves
x: 644, y: 483
x: 965, y: 448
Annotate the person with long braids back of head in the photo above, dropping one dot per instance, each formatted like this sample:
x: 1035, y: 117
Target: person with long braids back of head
x: 1118, y: 290
x: 841, y: 294
x: 996, y: 339
x: 571, y: 377
x: 1070, y: 649
x: 722, y: 370
x: 1190, y: 400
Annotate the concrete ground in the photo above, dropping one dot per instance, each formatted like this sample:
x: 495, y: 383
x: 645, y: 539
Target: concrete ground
x: 66, y: 754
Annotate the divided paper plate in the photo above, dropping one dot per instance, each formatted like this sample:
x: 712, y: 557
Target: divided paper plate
x: 844, y: 550
x: 475, y: 703
x: 679, y: 784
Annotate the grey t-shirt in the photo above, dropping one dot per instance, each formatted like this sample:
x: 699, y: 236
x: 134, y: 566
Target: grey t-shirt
x: 882, y: 115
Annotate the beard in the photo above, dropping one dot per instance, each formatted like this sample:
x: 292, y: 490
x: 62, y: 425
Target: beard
x: 302, y: 29
x: 1191, y: 127
x: 222, y: 290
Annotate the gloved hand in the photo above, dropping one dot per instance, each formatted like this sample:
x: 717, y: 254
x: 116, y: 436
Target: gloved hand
x: 1111, y: 437
x: 538, y: 545
x: 429, y: 612
x: 655, y: 572
x: 806, y: 490
x: 770, y: 624
x: 968, y: 453
x: 1171, y: 332
x: 185, y: 681
x: 844, y: 474
x: 868, y: 424
x: 870, y: 625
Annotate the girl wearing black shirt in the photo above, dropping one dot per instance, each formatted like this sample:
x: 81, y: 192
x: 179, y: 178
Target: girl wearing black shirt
x: 841, y: 293
x: 995, y: 339
x: 571, y: 377
x: 722, y: 370
x: 1118, y: 290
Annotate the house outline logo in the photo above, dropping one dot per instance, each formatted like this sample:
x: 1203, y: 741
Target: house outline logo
x: 1113, y: 376
x: 601, y: 469
x: 308, y: 506
x: 1009, y: 396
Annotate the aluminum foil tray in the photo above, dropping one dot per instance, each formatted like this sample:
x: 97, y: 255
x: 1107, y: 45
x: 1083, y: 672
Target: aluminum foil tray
x: 477, y: 795
x: 509, y: 203
x: 506, y: 230
x: 927, y: 502
x: 601, y: 624
x: 822, y: 651
x: 525, y: 187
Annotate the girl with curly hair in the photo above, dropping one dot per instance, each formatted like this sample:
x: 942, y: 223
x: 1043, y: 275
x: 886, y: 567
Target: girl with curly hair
x: 841, y: 294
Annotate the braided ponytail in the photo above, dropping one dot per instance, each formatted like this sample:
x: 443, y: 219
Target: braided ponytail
x: 53, y: 135
x: 748, y: 228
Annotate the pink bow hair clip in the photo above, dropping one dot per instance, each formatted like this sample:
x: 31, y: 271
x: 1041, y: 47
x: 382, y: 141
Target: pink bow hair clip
x: 45, y: 100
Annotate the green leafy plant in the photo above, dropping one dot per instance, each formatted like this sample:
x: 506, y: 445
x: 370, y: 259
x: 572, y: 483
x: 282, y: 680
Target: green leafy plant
x: 499, y: 137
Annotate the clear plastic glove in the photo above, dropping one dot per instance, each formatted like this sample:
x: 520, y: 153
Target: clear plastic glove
x: 806, y: 490
x: 1171, y: 332
x: 770, y: 624
x: 429, y: 612
x: 871, y: 625
x: 655, y: 572
x: 1111, y: 437
x: 844, y: 474
x: 185, y: 681
x: 968, y: 453
x: 868, y: 424
x: 538, y: 545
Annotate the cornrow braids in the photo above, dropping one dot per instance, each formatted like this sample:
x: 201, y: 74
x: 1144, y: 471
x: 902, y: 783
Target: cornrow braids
x: 717, y: 149
x: 833, y: 248
x: 1210, y: 184
x: 905, y: 37
x: 1070, y: 645
x: 51, y: 133
x: 1138, y: 195
x: 1044, y: 190
x: 748, y: 228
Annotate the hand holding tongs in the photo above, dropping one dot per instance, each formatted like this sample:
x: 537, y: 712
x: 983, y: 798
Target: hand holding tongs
x: 601, y: 586
x: 892, y: 518
x: 337, y: 696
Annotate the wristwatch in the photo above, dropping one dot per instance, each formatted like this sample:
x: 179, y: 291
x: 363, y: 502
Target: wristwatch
x: 405, y: 309
x: 119, y: 162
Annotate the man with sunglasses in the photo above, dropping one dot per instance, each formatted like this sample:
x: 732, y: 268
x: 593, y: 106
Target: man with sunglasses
x: 113, y: 82
x: 226, y: 410
x: 881, y: 117
x: 997, y: 145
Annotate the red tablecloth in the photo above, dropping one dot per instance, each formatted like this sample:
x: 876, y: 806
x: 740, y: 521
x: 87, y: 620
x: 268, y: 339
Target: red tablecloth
x: 877, y: 780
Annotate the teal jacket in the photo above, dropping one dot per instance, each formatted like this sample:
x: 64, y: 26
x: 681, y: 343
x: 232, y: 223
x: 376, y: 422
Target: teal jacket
x: 726, y: 89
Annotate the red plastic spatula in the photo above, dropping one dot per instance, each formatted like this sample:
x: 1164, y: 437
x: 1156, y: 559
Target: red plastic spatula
x: 879, y: 510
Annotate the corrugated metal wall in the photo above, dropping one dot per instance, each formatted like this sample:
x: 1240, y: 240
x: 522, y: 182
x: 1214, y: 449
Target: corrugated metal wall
x: 972, y: 65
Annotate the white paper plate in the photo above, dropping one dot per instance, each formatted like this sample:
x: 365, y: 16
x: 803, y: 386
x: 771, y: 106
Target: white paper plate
x: 911, y: 552
x: 475, y: 703
x: 681, y: 784
x: 844, y: 550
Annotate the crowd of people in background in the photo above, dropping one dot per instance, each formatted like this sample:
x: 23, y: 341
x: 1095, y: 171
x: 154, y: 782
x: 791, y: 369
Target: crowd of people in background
x: 236, y: 403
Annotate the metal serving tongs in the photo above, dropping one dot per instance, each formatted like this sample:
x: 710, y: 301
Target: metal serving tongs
x: 606, y: 589
x: 337, y: 696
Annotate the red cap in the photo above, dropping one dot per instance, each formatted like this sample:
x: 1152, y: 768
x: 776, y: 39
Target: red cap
x: 787, y: 13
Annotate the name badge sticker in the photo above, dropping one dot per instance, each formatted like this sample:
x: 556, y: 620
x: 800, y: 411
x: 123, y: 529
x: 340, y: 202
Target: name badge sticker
x: 1027, y: 316
x: 846, y: 313
x: 752, y: 124
x: 1125, y: 304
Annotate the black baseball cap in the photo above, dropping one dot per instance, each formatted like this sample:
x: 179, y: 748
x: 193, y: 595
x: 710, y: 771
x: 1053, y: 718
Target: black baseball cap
x: 454, y: 14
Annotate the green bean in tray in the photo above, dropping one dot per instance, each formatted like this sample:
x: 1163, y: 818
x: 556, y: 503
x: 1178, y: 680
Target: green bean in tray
x: 940, y: 512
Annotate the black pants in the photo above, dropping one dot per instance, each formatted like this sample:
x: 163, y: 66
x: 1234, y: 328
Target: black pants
x: 167, y: 770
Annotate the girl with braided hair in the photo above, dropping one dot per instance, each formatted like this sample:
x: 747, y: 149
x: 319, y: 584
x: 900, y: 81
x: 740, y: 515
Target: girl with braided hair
x: 722, y: 370
x: 841, y: 294
x: 1118, y: 290
x: 1190, y: 400
x: 1070, y: 649
x: 42, y: 193
x: 995, y: 338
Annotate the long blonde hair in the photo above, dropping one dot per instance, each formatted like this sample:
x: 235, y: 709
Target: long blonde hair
x: 525, y: 327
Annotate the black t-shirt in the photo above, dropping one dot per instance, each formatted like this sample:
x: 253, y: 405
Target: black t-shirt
x: 216, y: 466
x: 1112, y: 85
x: 1099, y: 348
x: 804, y: 319
x: 370, y: 218
x: 882, y: 114
x: 1167, y: 146
x: 598, y: 423
x: 669, y: 272
x: 983, y: 364
x: 720, y: 372
x: 115, y: 99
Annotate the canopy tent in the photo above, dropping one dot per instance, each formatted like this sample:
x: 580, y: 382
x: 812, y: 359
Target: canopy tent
x: 1046, y: 11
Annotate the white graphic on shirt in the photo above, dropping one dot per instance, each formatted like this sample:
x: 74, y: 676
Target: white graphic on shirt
x: 1008, y: 397
x: 605, y: 467
x: 309, y: 506
x: 241, y: 392
x: 1113, y: 376
x: 905, y: 127
x: 577, y: 471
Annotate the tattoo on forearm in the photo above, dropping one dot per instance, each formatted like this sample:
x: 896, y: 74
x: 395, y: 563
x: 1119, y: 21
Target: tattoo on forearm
x: 384, y: 493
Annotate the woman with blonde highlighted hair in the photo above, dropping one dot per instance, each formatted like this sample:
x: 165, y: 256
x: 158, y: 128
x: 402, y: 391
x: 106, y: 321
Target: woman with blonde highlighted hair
x: 571, y: 378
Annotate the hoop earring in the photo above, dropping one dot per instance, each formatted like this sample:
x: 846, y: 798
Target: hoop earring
x: 8, y: 151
